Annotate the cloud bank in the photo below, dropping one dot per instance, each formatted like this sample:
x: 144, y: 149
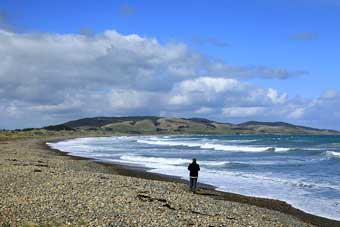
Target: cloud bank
x: 52, y: 78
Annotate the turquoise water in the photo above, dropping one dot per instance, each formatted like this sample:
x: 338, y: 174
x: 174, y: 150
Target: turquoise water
x: 301, y: 170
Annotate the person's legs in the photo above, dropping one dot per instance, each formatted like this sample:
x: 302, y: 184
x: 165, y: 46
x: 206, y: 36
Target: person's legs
x: 191, y: 183
x: 194, y: 184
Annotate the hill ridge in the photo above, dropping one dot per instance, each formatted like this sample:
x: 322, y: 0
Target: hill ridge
x: 173, y: 125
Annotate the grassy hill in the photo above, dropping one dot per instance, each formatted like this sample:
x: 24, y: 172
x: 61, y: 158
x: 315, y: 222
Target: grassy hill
x: 160, y: 125
x: 147, y: 125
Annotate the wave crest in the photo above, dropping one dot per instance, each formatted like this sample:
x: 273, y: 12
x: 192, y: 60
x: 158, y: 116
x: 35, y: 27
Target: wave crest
x: 212, y: 146
x: 333, y: 154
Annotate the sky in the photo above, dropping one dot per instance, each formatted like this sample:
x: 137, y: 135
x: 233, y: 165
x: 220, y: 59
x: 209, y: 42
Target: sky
x: 229, y: 61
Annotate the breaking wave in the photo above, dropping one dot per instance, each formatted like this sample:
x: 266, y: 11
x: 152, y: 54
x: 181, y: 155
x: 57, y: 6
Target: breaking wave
x: 217, y: 147
x: 169, y: 161
x: 333, y: 154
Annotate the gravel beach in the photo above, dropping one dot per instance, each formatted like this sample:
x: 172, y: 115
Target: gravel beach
x: 42, y: 187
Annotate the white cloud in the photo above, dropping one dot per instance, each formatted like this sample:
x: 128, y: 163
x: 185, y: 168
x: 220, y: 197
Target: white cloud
x: 212, y: 92
x: 50, y: 78
x: 127, y: 99
x: 204, y: 110
x: 208, y: 84
x: 330, y: 94
x: 179, y: 100
x: 240, y: 112
x: 297, y: 113
x: 250, y: 72
x: 275, y: 97
x: 208, y: 91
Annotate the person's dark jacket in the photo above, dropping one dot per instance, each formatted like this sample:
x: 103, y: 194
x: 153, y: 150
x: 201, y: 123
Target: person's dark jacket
x: 194, y: 168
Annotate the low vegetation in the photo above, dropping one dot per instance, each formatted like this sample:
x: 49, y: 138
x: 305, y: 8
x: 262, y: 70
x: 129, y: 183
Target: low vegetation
x: 108, y: 126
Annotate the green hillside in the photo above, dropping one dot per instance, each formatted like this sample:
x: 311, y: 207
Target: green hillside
x: 150, y: 125
x: 163, y: 125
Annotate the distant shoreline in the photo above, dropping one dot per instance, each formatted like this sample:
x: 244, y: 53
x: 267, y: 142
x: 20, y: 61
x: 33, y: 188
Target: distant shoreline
x: 152, y: 125
x: 208, y: 190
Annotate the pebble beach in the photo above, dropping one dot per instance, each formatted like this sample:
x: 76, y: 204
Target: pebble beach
x: 40, y: 186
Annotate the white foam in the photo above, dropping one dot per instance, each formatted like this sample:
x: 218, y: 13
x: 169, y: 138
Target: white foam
x: 180, y: 138
x: 241, y: 141
x: 214, y: 163
x: 213, y: 146
x: 168, y: 161
x: 145, y: 160
x: 282, y: 149
x: 162, y: 163
x: 333, y: 154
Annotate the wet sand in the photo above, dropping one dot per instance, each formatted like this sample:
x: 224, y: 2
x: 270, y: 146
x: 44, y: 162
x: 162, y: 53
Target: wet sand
x: 40, y: 185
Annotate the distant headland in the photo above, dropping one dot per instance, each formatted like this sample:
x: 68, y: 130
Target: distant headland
x: 147, y: 125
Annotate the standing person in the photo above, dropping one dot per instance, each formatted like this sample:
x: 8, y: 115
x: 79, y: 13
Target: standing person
x: 193, y: 168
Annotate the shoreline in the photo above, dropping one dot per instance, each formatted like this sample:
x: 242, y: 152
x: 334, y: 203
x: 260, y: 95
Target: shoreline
x: 204, y: 189
x: 41, y: 186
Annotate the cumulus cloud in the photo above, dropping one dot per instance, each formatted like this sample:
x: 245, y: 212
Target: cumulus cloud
x: 276, y: 97
x: 325, y: 109
x: 227, y: 95
x: 297, y: 113
x: 240, y: 112
x: 50, y: 78
x: 250, y: 72
x: 207, y: 91
x: 35, y: 62
x: 179, y: 100
x: 207, y: 84
x: 204, y: 110
x: 330, y: 94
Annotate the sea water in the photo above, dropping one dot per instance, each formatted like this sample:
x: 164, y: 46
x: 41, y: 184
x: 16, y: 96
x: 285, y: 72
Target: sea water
x: 303, y: 170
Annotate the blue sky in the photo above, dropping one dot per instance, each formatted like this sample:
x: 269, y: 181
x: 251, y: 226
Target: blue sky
x: 298, y: 37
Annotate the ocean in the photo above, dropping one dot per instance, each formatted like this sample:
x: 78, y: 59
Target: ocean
x: 302, y: 170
